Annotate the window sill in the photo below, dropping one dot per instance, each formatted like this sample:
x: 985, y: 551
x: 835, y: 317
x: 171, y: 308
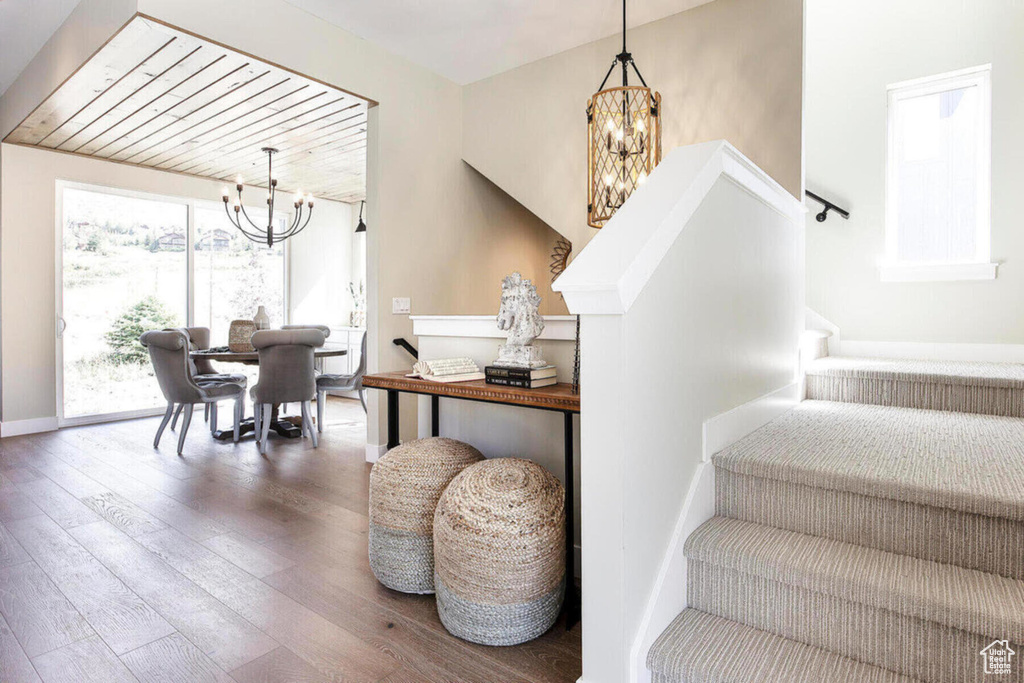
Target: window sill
x: 939, y: 272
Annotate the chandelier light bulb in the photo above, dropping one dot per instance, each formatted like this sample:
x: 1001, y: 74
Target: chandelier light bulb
x: 224, y: 193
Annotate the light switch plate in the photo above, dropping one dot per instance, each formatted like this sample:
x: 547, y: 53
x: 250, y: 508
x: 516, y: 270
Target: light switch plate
x: 400, y: 305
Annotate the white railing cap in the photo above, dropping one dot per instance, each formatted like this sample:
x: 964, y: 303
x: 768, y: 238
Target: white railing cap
x: 612, y: 270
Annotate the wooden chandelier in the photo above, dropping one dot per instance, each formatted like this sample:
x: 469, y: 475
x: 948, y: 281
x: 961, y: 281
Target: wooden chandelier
x: 624, y: 138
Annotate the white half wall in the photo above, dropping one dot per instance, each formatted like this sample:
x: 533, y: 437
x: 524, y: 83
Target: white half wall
x: 693, y: 304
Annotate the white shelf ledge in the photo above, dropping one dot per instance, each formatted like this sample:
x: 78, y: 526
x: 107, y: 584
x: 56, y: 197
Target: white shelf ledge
x: 940, y: 272
x: 557, y: 327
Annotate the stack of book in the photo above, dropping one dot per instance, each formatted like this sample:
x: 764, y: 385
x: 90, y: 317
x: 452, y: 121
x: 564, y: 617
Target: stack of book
x: 523, y: 378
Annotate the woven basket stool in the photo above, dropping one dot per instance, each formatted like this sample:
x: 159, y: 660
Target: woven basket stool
x: 404, y: 487
x: 499, y: 544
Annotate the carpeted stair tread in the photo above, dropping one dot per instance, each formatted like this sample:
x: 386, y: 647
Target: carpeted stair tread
x: 971, y: 373
x: 963, y: 461
x: 701, y: 648
x: 963, y: 599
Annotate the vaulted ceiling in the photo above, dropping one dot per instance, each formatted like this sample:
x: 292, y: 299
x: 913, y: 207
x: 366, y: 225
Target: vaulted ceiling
x: 160, y: 98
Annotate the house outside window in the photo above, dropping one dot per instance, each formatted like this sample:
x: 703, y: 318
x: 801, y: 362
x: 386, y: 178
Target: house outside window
x: 938, y: 178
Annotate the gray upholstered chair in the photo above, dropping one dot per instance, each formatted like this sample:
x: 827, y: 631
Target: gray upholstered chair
x: 318, y: 363
x: 353, y: 382
x: 322, y: 328
x: 203, y: 371
x: 169, y: 351
x: 286, y: 376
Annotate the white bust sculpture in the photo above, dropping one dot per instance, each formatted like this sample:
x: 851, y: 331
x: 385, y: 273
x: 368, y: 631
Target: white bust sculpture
x: 518, y: 316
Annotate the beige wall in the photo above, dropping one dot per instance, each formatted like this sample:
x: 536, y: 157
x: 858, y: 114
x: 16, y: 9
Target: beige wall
x: 28, y: 182
x: 730, y: 70
x: 854, y: 50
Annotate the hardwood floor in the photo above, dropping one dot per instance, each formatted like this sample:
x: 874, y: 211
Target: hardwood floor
x: 119, y: 562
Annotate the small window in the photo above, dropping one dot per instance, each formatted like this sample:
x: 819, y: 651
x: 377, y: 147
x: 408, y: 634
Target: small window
x: 938, y: 175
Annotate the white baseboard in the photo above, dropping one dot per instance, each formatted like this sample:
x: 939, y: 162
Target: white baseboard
x: 994, y: 353
x: 374, y: 451
x: 729, y: 427
x: 668, y: 598
x: 33, y: 426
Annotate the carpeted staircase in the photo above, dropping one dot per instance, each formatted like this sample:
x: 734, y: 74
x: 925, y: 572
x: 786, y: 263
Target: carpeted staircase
x: 858, y: 543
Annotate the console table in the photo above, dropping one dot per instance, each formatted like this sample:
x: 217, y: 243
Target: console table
x: 559, y: 398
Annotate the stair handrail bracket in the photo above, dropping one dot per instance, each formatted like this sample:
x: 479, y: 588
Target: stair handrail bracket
x: 692, y: 302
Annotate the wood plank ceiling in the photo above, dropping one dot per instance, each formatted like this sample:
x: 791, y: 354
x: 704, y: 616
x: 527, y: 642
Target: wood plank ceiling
x: 157, y: 97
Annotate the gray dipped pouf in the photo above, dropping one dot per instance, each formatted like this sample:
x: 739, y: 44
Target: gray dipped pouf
x: 405, y: 485
x: 499, y: 544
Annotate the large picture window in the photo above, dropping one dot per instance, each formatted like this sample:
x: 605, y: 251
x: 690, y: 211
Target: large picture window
x: 938, y: 177
x: 130, y: 262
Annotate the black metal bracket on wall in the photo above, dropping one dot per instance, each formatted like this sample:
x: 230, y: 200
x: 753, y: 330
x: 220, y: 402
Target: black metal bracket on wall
x: 829, y: 206
x: 407, y: 346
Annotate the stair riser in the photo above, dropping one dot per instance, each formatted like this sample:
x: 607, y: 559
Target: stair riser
x: 988, y: 544
x: 907, y: 645
x: 927, y: 395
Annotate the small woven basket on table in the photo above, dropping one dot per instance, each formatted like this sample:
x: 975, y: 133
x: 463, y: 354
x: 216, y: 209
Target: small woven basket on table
x: 499, y: 544
x: 240, y: 336
x: 405, y: 485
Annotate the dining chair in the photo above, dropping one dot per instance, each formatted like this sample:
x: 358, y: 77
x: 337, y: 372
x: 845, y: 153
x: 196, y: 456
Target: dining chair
x: 318, y: 363
x: 353, y: 382
x: 169, y: 352
x: 203, y: 371
x: 286, y: 376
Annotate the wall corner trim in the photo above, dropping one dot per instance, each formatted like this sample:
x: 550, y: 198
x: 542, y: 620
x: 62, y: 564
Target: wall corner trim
x: 612, y: 270
x: 375, y: 451
x: 32, y: 426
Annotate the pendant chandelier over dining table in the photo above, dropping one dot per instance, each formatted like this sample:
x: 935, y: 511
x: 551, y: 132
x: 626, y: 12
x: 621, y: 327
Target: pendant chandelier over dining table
x: 624, y: 138
x: 303, y: 204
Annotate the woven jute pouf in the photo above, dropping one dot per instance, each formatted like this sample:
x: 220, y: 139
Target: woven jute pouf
x: 405, y: 485
x: 499, y: 544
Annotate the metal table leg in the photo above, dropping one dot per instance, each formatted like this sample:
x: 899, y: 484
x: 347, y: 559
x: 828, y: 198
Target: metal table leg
x: 435, y: 416
x: 392, y: 419
x: 571, y: 609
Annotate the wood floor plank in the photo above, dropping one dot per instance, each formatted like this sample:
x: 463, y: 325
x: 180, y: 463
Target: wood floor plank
x: 254, y: 558
x: 21, y: 474
x: 116, y: 613
x: 37, y: 612
x: 15, y: 505
x: 280, y: 666
x: 15, y: 666
x: 163, y: 507
x: 11, y: 552
x: 71, y: 480
x: 228, y: 639
x: 171, y: 660
x: 416, y: 646
x: 87, y: 661
x: 58, y: 504
x: 124, y: 514
x: 330, y: 649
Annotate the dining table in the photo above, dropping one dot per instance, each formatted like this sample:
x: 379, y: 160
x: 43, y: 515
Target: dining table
x: 283, y: 427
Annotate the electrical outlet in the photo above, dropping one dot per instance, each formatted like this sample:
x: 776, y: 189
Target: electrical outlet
x: 400, y: 305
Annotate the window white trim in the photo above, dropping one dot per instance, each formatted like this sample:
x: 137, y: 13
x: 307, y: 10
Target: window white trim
x: 937, y: 272
x: 892, y: 269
